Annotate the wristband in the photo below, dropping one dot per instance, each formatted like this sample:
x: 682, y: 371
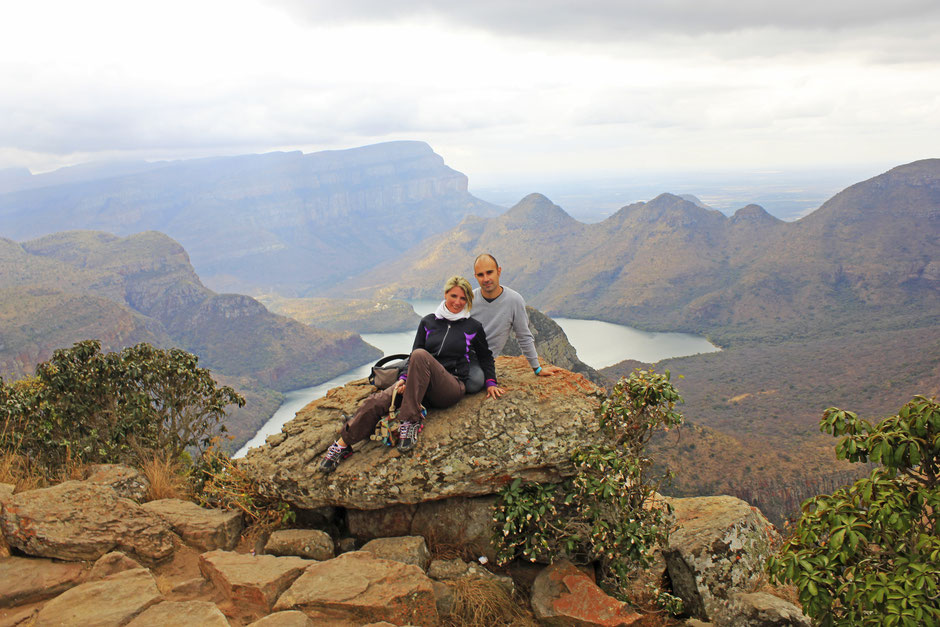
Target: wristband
x: 537, y: 370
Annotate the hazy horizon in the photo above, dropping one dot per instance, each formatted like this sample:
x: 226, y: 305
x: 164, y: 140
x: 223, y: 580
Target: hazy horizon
x: 788, y: 194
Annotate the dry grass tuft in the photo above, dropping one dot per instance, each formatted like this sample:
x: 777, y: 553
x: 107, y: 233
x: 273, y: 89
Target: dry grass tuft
x: 440, y: 550
x: 485, y: 602
x: 167, y: 478
x: 15, y: 470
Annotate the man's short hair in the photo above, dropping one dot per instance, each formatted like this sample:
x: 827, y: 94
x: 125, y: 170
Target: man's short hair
x: 481, y: 256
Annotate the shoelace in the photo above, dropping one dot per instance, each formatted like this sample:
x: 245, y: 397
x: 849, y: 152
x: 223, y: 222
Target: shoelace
x: 404, y: 429
x: 335, y: 451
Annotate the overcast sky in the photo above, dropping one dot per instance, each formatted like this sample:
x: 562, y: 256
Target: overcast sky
x: 499, y: 88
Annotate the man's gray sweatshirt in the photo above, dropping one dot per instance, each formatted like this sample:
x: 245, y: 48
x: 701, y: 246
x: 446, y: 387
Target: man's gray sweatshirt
x: 505, y: 312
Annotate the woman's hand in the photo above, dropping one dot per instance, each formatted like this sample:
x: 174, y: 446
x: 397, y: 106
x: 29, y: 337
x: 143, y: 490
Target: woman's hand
x: 494, y: 391
x: 400, y: 387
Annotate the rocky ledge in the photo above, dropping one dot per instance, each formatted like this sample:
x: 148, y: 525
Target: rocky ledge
x: 471, y: 449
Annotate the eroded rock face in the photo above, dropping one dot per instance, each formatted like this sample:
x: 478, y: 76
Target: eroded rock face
x: 254, y: 580
x: 202, y: 613
x: 719, y: 548
x: 459, y: 521
x: 205, y: 529
x: 404, y: 549
x: 471, y: 449
x: 126, y: 481
x: 114, y: 600
x: 307, y: 543
x: 360, y: 588
x: 77, y: 520
x: 24, y: 580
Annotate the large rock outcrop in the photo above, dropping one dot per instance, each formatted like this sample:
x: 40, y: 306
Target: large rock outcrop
x: 719, y: 548
x: 471, y: 449
x: 77, y: 520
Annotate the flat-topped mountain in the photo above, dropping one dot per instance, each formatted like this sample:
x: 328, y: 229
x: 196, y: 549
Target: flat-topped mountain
x: 671, y: 264
x: 73, y: 286
x: 288, y: 221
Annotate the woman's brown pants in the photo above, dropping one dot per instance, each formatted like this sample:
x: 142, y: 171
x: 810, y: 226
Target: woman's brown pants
x: 428, y: 383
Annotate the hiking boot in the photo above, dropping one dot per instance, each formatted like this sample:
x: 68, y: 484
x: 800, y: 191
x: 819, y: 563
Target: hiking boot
x: 334, y: 455
x: 408, y: 435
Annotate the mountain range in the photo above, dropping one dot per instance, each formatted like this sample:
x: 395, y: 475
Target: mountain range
x: 289, y: 222
x: 839, y: 307
x: 71, y: 286
x: 669, y: 264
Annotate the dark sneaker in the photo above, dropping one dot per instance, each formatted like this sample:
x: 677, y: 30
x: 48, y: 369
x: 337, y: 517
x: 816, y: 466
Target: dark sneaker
x: 408, y: 435
x: 334, y: 455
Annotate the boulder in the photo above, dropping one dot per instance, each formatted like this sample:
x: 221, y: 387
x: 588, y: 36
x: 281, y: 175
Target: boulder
x: 308, y: 543
x: 760, y: 609
x: 360, y: 588
x: 24, y: 580
x: 109, y: 564
x: 6, y: 493
x: 202, y: 613
x: 115, y: 600
x: 471, y: 449
x: 289, y: 618
x: 719, y: 547
x: 126, y: 481
x: 255, y: 580
x: 404, y: 549
x: 444, y: 570
x: 204, y: 529
x: 563, y: 596
x: 76, y: 520
x: 459, y: 521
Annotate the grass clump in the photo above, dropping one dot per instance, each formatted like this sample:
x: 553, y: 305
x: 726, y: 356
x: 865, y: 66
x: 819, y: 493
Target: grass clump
x: 480, y: 601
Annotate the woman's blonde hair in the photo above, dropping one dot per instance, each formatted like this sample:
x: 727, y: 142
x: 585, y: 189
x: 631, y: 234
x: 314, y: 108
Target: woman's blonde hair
x: 462, y: 283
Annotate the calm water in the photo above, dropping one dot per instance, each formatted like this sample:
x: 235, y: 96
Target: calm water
x: 599, y: 344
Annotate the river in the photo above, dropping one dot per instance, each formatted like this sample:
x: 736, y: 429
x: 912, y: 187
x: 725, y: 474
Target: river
x: 599, y: 344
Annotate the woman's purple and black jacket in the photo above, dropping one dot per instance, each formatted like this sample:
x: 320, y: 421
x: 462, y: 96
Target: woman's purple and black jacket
x: 451, y: 344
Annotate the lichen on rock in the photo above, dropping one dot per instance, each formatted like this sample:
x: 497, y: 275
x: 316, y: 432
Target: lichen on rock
x: 470, y: 449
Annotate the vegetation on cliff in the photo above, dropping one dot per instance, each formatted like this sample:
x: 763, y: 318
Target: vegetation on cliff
x: 604, y: 514
x: 868, y: 554
x: 67, y: 287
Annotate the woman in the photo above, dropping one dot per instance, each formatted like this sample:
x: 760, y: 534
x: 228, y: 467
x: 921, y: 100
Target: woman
x: 437, y: 372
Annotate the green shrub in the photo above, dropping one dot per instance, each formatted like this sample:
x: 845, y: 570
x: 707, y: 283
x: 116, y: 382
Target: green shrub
x: 868, y: 554
x: 86, y: 406
x: 602, y: 514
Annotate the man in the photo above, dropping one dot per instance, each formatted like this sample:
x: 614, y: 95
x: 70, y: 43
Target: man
x: 500, y: 309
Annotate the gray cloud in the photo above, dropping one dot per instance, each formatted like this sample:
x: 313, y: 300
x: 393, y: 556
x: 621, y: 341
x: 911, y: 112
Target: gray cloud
x: 617, y: 19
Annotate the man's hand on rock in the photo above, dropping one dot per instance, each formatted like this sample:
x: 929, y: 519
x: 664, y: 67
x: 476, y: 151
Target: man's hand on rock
x: 546, y: 371
x: 494, y: 391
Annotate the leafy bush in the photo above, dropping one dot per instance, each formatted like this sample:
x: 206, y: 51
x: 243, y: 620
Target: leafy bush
x: 603, y: 513
x: 86, y: 406
x: 868, y: 553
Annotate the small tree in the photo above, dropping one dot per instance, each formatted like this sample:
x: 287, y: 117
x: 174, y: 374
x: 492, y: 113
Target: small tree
x: 602, y: 513
x: 868, y: 554
x: 88, y: 406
